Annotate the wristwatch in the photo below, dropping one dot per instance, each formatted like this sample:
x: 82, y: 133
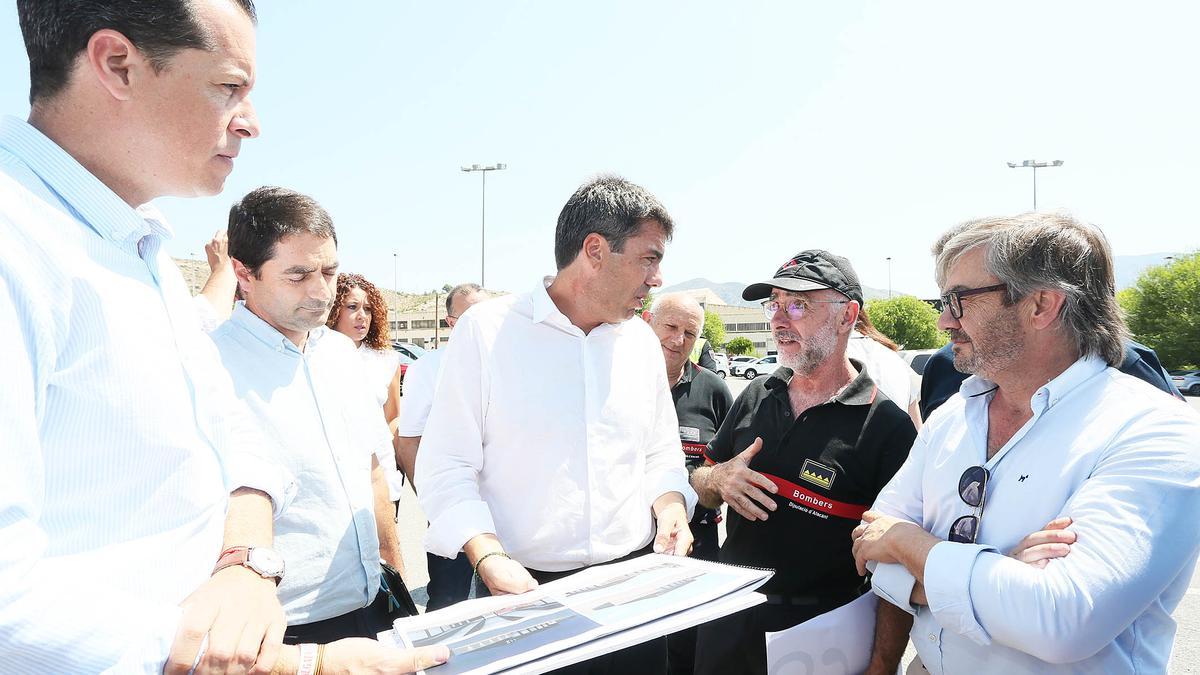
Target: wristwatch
x: 263, y: 561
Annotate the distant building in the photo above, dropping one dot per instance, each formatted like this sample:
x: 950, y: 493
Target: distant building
x: 747, y: 322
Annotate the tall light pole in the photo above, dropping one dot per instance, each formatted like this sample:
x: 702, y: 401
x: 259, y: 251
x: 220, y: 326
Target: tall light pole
x: 483, y: 169
x: 1035, y: 165
x: 395, y: 294
x: 889, y: 259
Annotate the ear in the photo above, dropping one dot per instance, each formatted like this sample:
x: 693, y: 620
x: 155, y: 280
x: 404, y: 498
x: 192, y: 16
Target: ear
x: 849, y: 316
x: 1045, y: 307
x: 112, y: 59
x: 450, y: 321
x: 595, y: 249
x: 242, y: 273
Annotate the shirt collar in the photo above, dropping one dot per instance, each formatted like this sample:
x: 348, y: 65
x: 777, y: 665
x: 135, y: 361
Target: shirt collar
x: 689, y: 372
x: 545, y: 311
x: 268, y: 335
x: 860, y: 391
x: 91, y: 200
x: 1051, y: 392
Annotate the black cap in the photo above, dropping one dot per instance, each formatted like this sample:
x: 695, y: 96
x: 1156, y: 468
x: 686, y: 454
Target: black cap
x: 810, y: 271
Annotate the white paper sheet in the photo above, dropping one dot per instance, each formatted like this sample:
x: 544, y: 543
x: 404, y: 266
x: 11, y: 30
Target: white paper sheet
x: 834, y: 643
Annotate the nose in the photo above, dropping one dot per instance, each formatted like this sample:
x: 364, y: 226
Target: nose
x: 946, y: 321
x: 655, y: 278
x: 245, y: 123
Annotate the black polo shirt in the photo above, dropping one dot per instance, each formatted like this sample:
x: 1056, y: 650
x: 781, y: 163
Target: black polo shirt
x: 829, y: 465
x: 702, y: 400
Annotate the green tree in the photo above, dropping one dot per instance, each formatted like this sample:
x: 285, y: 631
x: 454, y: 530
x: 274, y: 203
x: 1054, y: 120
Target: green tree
x: 714, y: 329
x: 908, y: 320
x: 739, y: 346
x: 647, y: 302
x: 1163, y: 311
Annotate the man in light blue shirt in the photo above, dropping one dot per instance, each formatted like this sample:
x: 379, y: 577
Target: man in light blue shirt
x: 120, y: 447
x: 305, y: 384
x: 1047, y: 431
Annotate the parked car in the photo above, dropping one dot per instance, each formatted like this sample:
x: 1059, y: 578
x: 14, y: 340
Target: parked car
x: 736, y: 362
x: 722, y: 369
x: 763, y: 366
x: 405, y: 361
x: 917, y: 358
x: 409, y: 349
x: 1186, y: 381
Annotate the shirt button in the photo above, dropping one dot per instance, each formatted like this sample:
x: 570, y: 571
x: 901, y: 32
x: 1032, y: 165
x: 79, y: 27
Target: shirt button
x: 932, y: 637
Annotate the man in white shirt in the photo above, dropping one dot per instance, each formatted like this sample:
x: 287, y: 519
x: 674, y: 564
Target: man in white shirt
x: 120, y: 446
x: 1047, y: 431
x: 449, y: 578
x: 302, y: 382
x: 553, y: 443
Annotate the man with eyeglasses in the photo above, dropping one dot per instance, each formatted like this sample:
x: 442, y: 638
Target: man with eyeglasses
x: 798, y: 459
x: 1047, y: 430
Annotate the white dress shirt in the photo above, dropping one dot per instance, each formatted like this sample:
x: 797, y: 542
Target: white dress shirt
x: 381, y: 365
x: 329, y: 426
x: 120, y: 443
x: 1108, y: 450
x: 419, y: 384
x: 556, y: 441
x: 885, y: 367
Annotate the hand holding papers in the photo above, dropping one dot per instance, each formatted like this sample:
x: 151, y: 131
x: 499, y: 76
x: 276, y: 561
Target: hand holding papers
x: 552, y: 625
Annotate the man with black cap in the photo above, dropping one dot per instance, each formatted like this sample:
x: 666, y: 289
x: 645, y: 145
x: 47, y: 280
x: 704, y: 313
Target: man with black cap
x: 801, y: 455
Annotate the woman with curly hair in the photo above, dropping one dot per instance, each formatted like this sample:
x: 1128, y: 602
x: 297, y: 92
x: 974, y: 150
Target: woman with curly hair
x: 360, y: 313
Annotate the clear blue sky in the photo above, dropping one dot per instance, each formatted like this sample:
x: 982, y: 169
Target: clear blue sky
x: 765, y: 127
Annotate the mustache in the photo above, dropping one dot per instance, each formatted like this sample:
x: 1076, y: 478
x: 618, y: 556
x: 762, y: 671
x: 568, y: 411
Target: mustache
x: 787, y: 335
x: 959, y: 335
x: 315, y: 307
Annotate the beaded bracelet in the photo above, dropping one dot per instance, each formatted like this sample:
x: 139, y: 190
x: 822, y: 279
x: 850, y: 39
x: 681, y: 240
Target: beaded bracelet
x: 485, y: 556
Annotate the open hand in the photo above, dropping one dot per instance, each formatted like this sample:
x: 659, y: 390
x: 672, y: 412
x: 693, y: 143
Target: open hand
x: 744, y: 490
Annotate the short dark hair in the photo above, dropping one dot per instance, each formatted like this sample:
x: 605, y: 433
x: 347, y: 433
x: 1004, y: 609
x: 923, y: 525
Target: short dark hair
x: 56, y: 31
x: 461, y: 289
x: 610, y: 206
x: 266, y: 215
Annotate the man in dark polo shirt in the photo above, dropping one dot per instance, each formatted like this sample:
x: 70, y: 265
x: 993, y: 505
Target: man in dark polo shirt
x: 701, y: 402
x: 801, y: 455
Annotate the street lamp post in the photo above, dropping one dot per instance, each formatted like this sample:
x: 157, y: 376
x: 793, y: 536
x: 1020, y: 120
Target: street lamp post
x: 395, y: 294
x: 483, y: 169
x: 1035, y: 165
x: 889, y: 259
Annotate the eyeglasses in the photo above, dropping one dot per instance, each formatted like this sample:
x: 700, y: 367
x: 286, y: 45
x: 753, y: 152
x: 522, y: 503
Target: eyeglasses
x: 953, y: 299
x: 972, y: 487
x: 795, y: 308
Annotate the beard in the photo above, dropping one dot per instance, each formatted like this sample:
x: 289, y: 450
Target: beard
x: 815, y: 351
x: 996, y: 346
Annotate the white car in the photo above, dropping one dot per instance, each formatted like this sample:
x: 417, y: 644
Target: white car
x: 1187, y: 381
x: 722, y: 368
x: 738, y: 362
x: 763, y: 366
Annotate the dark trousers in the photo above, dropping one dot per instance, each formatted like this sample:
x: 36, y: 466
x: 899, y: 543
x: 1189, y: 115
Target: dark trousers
x: 449, y: 580
x: 367, y: 622
x: 681, y: 646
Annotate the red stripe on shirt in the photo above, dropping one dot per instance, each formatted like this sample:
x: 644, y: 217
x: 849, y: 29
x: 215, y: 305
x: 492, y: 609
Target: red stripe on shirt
x: 794, y: 493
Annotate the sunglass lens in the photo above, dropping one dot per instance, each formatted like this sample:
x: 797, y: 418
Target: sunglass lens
x: 972, y: 484
x: 963, y: 530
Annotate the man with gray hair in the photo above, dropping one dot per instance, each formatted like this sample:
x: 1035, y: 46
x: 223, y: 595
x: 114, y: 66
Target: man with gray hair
x: 557, y: 390
x: 1046, y: 431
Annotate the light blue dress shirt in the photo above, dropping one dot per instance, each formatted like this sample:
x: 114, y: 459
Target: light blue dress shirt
x: 119, y: 444
x: 318, y: 404
x: 1115, y: 454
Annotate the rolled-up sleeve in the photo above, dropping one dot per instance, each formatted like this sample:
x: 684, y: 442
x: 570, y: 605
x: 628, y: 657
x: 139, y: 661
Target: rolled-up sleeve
x: 1134, y: 518
x: 451, y: 454
x: 665, y: 469
x: 254, y: 460
x: 901, y: 498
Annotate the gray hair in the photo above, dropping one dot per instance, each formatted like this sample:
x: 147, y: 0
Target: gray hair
x: 610, y: 206
x: 461, y: 289
x: 680, y: 300
x: 1048, y: 251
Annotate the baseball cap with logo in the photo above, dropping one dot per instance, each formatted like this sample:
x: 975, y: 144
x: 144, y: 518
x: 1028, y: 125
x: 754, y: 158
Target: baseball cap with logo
x: 812, y: 270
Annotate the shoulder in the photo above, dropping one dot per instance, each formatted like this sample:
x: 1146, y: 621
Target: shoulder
x: 710, y: 381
